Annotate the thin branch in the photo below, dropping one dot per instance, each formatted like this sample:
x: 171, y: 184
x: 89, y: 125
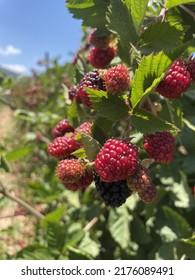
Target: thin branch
x: 90, y: 224
x: 28, y: 207
x: 188, y: 11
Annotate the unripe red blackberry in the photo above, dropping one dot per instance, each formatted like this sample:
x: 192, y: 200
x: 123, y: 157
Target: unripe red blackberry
x: 116, y: 160
x: 70, y: 171
x: 112, y: 194
x: 100, y: 42
x: 82, y: 183
x: 176, y: 81
x: 91, y: 80
x: 62, y: 147
x: 101, y: 58
x: 73, y: 94
x: 61, y: 128
x: 149, y: 195
x: 140, y: 181
x: 74, y: 175
x: 160, y: 146
x: 191, y: 68
x: 84, y: 127
x: 117, y: 79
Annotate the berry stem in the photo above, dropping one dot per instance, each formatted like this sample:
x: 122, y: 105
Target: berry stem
x: 28, y: 207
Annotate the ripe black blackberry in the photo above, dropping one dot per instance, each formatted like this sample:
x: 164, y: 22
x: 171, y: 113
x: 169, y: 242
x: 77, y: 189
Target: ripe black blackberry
x: 112, y: 194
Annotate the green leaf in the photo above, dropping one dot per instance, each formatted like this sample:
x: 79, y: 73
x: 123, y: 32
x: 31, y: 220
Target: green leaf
x: 35, y: 252
x: 111, y: 107
x: 138, y: 10
x: 149, y: 73
x: 4, y: 164
x: 161, y: 36
x: 102, y: 129
x: 92, y: 147
x: 72, y: 114
x: 89, y: 246
x: 74, y: 234
x: 80, y: 153
x: 147, y: 123
x: 53, y: 217
x: 78, y: 5
x: 138, y: 231
x: 187, y: 248
x: 173, y: 3
x: 119, y: 226
x: 121, y: 24
x: 55, y: 237
x: 177, y: 223
x: 18, y: 153
x: 183, y: 197
x: 92, y: 12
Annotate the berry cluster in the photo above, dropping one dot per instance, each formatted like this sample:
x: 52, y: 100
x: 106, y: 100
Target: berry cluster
x: 73, y: 173
x: 117, y: 171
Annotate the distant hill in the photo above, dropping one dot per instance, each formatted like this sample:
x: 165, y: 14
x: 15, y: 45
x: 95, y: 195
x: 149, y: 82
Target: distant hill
x: 8, y: 72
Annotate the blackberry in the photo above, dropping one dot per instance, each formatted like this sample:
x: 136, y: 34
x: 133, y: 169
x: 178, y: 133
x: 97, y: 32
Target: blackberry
x: 116, y: 160
x: 91, y: 80
x: 112, y: 194
x: 176, y: 81
x: 61, y: 128
x: 160, y: 146
x: 101, y: 58
x: 100, y: 42
x: 117, y: 79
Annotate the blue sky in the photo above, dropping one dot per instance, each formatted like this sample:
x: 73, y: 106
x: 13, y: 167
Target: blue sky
x: 28, y: 29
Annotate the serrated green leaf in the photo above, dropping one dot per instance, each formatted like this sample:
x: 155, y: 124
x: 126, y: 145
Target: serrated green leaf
x: 92, y: 146
x: 92, y: 12
x: 149, y: 73
x: 121, y: 24
x: 111, y: 107
x: 162, y: 36
x: 119, y: 226
x: 78, y: 5
x: 147, y: 123
x: 19, y: 153
x: 172, y: 3
x: 55, y: 237
x: 138, y: 10
x: 176, y: 222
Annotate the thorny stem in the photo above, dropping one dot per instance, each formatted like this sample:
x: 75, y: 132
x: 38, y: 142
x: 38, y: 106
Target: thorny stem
x: 151, y: 107
x: 191, y: 13
x: 29, y: 208
x: 127, y: 129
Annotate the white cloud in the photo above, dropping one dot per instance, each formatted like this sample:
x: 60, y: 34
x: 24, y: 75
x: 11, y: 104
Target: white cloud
x: 10, y: 50
x: 18, y: 68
